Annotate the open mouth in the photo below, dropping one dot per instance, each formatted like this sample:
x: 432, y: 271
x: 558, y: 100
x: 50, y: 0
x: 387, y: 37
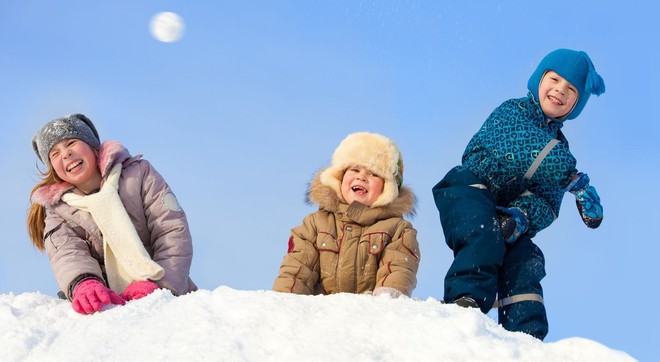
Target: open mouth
x: 74, y: 165
x: 556, y: 101
x: 359, y: 190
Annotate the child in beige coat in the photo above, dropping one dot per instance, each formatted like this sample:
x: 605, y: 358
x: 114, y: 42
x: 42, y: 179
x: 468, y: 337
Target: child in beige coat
x: 358, y: 241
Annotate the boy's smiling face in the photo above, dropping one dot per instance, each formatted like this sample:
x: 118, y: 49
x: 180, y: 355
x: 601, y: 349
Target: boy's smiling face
x: 361, y: 185
x: 556, y: 95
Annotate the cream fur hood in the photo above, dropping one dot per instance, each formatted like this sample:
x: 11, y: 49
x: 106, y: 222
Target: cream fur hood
x: 329, y: 199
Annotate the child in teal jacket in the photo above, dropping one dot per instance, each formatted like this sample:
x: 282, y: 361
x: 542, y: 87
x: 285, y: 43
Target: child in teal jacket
x: 515, y: 172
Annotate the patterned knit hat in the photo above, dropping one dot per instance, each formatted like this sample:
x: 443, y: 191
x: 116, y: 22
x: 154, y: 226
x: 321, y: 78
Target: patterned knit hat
x: 373, y: 151
x: 70, y: 126
x: 575, y: 67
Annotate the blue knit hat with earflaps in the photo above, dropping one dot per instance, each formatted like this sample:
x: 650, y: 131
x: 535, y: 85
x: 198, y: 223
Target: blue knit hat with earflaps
x: 574, y: 66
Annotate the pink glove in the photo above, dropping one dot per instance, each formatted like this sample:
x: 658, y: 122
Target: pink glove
x: 139, y: 289
x: 91, y: 295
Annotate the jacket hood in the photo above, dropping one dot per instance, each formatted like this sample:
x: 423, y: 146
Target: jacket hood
x: 110, y: 153
x: 329, y: 199
x: 377, y: 153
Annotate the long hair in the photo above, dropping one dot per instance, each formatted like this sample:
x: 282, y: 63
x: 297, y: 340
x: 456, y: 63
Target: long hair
x: 36, y: 219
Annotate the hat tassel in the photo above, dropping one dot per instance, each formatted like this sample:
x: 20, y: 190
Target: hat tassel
x: 594, y: 84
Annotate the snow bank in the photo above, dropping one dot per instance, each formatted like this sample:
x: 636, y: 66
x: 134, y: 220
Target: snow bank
x: 232, y: 325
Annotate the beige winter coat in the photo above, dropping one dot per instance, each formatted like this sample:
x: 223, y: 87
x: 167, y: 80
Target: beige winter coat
x: 351, y: 248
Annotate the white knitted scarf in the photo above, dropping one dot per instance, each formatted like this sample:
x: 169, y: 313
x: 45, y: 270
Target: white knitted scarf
x: 126, y: 259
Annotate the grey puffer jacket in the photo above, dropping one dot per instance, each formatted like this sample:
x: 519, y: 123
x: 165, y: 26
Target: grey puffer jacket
x: 75, y: 245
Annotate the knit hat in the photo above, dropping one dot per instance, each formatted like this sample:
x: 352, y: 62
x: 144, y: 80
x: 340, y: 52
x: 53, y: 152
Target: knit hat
x: 575, y: 67
x: 63, y: 128
x: 373, y: 151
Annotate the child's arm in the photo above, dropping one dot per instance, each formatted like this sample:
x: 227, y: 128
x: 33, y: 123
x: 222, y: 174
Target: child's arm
x: 299, y: 272
x: 69, y: 255
x: 170, y: 235
x: 400, y: 261
x: 542, y: 203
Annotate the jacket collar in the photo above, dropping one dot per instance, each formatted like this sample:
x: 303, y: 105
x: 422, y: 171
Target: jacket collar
x: 554, y: 124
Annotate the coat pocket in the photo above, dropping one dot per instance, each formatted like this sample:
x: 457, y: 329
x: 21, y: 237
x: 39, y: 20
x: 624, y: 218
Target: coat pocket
x: 328, y: 249
x: 327, y: 242
x: 377, y: 242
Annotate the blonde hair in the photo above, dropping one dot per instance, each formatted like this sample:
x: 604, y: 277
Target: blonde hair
x: 36, y: 219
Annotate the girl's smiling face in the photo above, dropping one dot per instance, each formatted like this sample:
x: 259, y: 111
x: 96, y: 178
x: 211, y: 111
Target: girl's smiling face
x: 74, y: 161
x: 556, y: 95
x: 361, y: 185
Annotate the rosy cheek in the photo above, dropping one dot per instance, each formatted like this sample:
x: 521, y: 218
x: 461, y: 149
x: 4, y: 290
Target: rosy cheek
x: 59, y: 172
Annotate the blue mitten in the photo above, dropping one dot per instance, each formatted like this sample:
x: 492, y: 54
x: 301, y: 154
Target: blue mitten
x: 588, y: 204
x: 513, y: 223
x: 587, y: 200
x: 579, y: 181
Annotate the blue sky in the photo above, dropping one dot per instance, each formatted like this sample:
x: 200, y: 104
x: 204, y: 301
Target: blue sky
x: 240, y: 113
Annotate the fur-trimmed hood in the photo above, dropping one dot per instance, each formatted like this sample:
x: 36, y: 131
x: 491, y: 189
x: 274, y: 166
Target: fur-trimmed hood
x: 377, y: 153
x: 110, y: 153
x: 330, y: 199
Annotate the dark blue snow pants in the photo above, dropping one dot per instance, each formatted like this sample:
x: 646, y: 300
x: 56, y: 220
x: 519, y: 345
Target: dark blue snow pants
x: 485, y: 266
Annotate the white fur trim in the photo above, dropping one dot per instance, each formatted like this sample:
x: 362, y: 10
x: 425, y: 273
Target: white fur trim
x: 126, y: 259
x: 371, y: 150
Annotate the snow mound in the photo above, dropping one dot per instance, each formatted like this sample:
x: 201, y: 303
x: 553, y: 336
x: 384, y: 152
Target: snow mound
x: 233, y: 325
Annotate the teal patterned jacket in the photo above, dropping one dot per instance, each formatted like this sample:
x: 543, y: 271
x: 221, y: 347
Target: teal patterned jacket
x: 504, y: 149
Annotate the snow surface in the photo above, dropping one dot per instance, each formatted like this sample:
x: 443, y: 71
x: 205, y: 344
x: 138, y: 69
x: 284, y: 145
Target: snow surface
x: 233, y: 325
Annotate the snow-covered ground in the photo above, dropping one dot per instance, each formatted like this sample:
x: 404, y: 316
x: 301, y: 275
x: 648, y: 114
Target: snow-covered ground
x: 233, y: 325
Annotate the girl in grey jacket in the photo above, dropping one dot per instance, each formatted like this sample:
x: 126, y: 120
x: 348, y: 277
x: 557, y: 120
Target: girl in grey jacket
x: 111, y: 226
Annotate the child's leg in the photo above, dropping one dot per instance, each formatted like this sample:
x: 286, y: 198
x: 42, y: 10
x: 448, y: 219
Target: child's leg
x: 521, y: 274
x: 470, y: 224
